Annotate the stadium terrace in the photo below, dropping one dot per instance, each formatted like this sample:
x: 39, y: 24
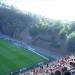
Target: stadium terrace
x: 63, y: 66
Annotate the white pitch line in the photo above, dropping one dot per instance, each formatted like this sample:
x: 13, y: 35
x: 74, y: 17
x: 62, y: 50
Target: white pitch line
x: 33, y: 50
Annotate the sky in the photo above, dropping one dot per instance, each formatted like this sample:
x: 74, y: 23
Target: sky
x: 53, y: 9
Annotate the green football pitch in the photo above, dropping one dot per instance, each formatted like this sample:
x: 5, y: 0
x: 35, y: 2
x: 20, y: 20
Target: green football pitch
x: 13, y: 58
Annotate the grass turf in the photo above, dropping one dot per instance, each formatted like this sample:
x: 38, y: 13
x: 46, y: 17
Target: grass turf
x: 13, y: 58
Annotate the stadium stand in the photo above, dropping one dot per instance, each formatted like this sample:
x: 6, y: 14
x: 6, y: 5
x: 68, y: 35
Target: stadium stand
x: 63, y: 66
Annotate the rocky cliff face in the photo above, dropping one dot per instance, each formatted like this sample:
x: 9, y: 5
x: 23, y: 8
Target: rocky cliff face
x: 14, y: 23
x: 22, y: 27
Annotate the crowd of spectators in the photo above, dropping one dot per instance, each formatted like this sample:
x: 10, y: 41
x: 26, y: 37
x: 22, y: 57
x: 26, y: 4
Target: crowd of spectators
x: 63, y: 66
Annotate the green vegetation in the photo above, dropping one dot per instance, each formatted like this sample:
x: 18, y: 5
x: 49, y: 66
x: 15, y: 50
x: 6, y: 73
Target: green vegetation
x: 31, y: 28
x: 56, y: 33
x: 71, y: 42
x: 13, y: 58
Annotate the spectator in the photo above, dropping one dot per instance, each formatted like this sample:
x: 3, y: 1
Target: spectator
x: 64, y: 69
x: 67, y: 73
x: 57, y: 72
